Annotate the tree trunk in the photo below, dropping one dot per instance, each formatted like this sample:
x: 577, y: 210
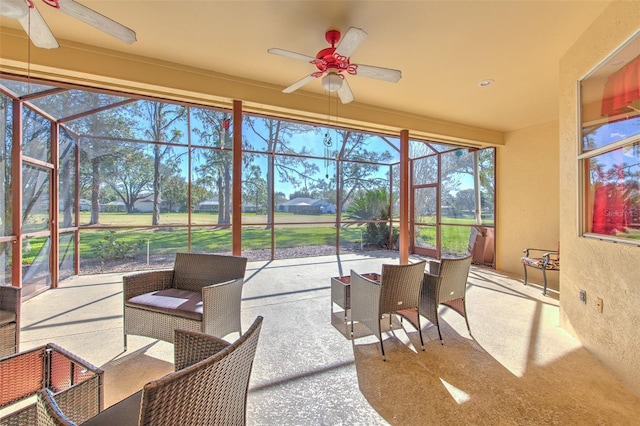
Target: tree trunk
x: 95, y: 191
x: 227, y: 193
x: 156, y: 186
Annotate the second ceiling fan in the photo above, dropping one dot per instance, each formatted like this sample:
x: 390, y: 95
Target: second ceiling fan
x: 38, y: 31
x: 333, y: 62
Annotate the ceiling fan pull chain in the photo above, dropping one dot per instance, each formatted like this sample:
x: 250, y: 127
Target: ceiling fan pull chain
x: 52, y: 3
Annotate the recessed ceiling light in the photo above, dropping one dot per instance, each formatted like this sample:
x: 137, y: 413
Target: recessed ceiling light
x: 485, y: 83
x: 618, y: 62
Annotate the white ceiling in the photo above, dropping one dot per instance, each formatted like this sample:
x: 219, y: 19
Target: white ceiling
x: 443, y: 48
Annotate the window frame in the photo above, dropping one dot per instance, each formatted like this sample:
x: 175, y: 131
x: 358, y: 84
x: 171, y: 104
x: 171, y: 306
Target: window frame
x: 629, y: 48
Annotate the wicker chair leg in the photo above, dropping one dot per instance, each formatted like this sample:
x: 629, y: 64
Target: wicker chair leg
x: 544, y: 275
x: 525, y: 274
x: 420, y: 330
x: 464, y: 308
x: 125, y: 341
x: 384, y: 358
x: 438, y: 327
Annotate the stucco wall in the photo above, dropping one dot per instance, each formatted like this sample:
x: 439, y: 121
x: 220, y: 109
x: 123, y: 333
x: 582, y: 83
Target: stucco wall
x: 604, y: 269
x: 527, y: 197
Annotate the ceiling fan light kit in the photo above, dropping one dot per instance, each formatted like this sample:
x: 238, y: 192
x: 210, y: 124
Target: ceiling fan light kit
x: 335, y: 61
x: 332, y: 81
x: 38, y: 31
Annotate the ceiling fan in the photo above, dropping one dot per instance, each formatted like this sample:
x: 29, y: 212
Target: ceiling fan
x: 35, y: 26
x: 332, y: 62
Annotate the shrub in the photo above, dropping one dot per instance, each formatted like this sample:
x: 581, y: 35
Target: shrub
x: 374, y: 205
x: 111, y: 248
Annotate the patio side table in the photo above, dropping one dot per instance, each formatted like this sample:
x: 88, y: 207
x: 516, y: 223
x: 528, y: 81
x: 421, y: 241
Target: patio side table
x: 341, y: 291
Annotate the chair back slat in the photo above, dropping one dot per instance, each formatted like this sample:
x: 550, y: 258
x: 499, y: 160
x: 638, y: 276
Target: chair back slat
x: 210, y: 392
x: 400, y: 286
x: 453, y: 278
x: 192, y: 271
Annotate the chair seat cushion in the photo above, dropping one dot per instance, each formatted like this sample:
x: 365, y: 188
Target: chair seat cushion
x: 7, y: 317
x: 538, y: 262
x: 172, y: 301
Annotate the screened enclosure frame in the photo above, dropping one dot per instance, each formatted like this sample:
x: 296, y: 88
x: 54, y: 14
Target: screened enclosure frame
x: 246, y: 204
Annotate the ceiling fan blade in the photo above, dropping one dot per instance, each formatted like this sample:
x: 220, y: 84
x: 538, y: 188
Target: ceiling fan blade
x: 298, y: 84
x: 350, y: 42
x: 345, y: 93
x: 379, y: 73
x: 293, y: 55
x: 96, y: 20
x: 37, y: 29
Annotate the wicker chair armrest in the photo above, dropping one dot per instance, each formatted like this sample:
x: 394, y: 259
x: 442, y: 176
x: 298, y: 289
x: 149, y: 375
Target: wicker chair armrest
x: 221, y: 305
x: 48, y: 411
x: 550, y: 253
x: 85, y: 398
x: 75, y: 359
x: 146, y: 282
x: 9, y: 298
x: 361, y: 279
x: 191, y: 347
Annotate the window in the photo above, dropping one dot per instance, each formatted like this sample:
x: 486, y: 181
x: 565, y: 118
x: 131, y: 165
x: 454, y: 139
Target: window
x: 610, y: 147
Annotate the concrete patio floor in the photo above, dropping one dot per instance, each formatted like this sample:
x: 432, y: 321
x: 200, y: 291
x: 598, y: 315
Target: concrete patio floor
x: 519, y: 368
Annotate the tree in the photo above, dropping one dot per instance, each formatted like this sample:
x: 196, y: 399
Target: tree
x: 293, y: 167
x: 130, y: 177
x: 96, y: 134
x: 175, y: 193
x: 300, y: 194
x: 487, y: 176
x: 465, y: 200
x: 361, y: 170
x: 161, y: 124
x: 216, y: 162
x: 254, y: 189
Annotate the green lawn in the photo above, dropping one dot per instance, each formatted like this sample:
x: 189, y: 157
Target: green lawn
x: 209, y: 237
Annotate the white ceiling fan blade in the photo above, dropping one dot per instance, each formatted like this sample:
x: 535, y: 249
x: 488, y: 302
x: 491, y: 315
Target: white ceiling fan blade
x: 96, y: 20
x: 350, y: 42
x: 379, y: 73
x: 14, y: 9
x: 37, y: 29
x: 345, y: 93
x: 293, y: 55
x: 298, y: 84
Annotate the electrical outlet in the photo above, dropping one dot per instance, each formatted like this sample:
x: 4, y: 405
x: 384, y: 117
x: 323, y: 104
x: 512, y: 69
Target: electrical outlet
x: 599, y: 304
x: 583, y: 296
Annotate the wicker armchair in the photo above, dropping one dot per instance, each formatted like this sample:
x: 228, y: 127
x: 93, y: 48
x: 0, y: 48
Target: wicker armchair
x: 76, y: 384
x: 202, y: 292
x: 209, y: 387
x: 397, y: 290
x: 445, y: 284
x: 9, y: 319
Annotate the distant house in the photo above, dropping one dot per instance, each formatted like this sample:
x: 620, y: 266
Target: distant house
x: 302, y: 205
x: 144, y: 205
x: 212, y: 205
x: 84, y: 205
x: 113, y: 206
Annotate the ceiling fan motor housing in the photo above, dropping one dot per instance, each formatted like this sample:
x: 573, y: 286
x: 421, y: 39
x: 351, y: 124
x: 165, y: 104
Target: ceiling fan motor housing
x: 327, y: 59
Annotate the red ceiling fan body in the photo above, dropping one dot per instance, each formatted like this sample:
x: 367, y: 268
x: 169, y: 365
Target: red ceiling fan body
x: 332, y: 62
